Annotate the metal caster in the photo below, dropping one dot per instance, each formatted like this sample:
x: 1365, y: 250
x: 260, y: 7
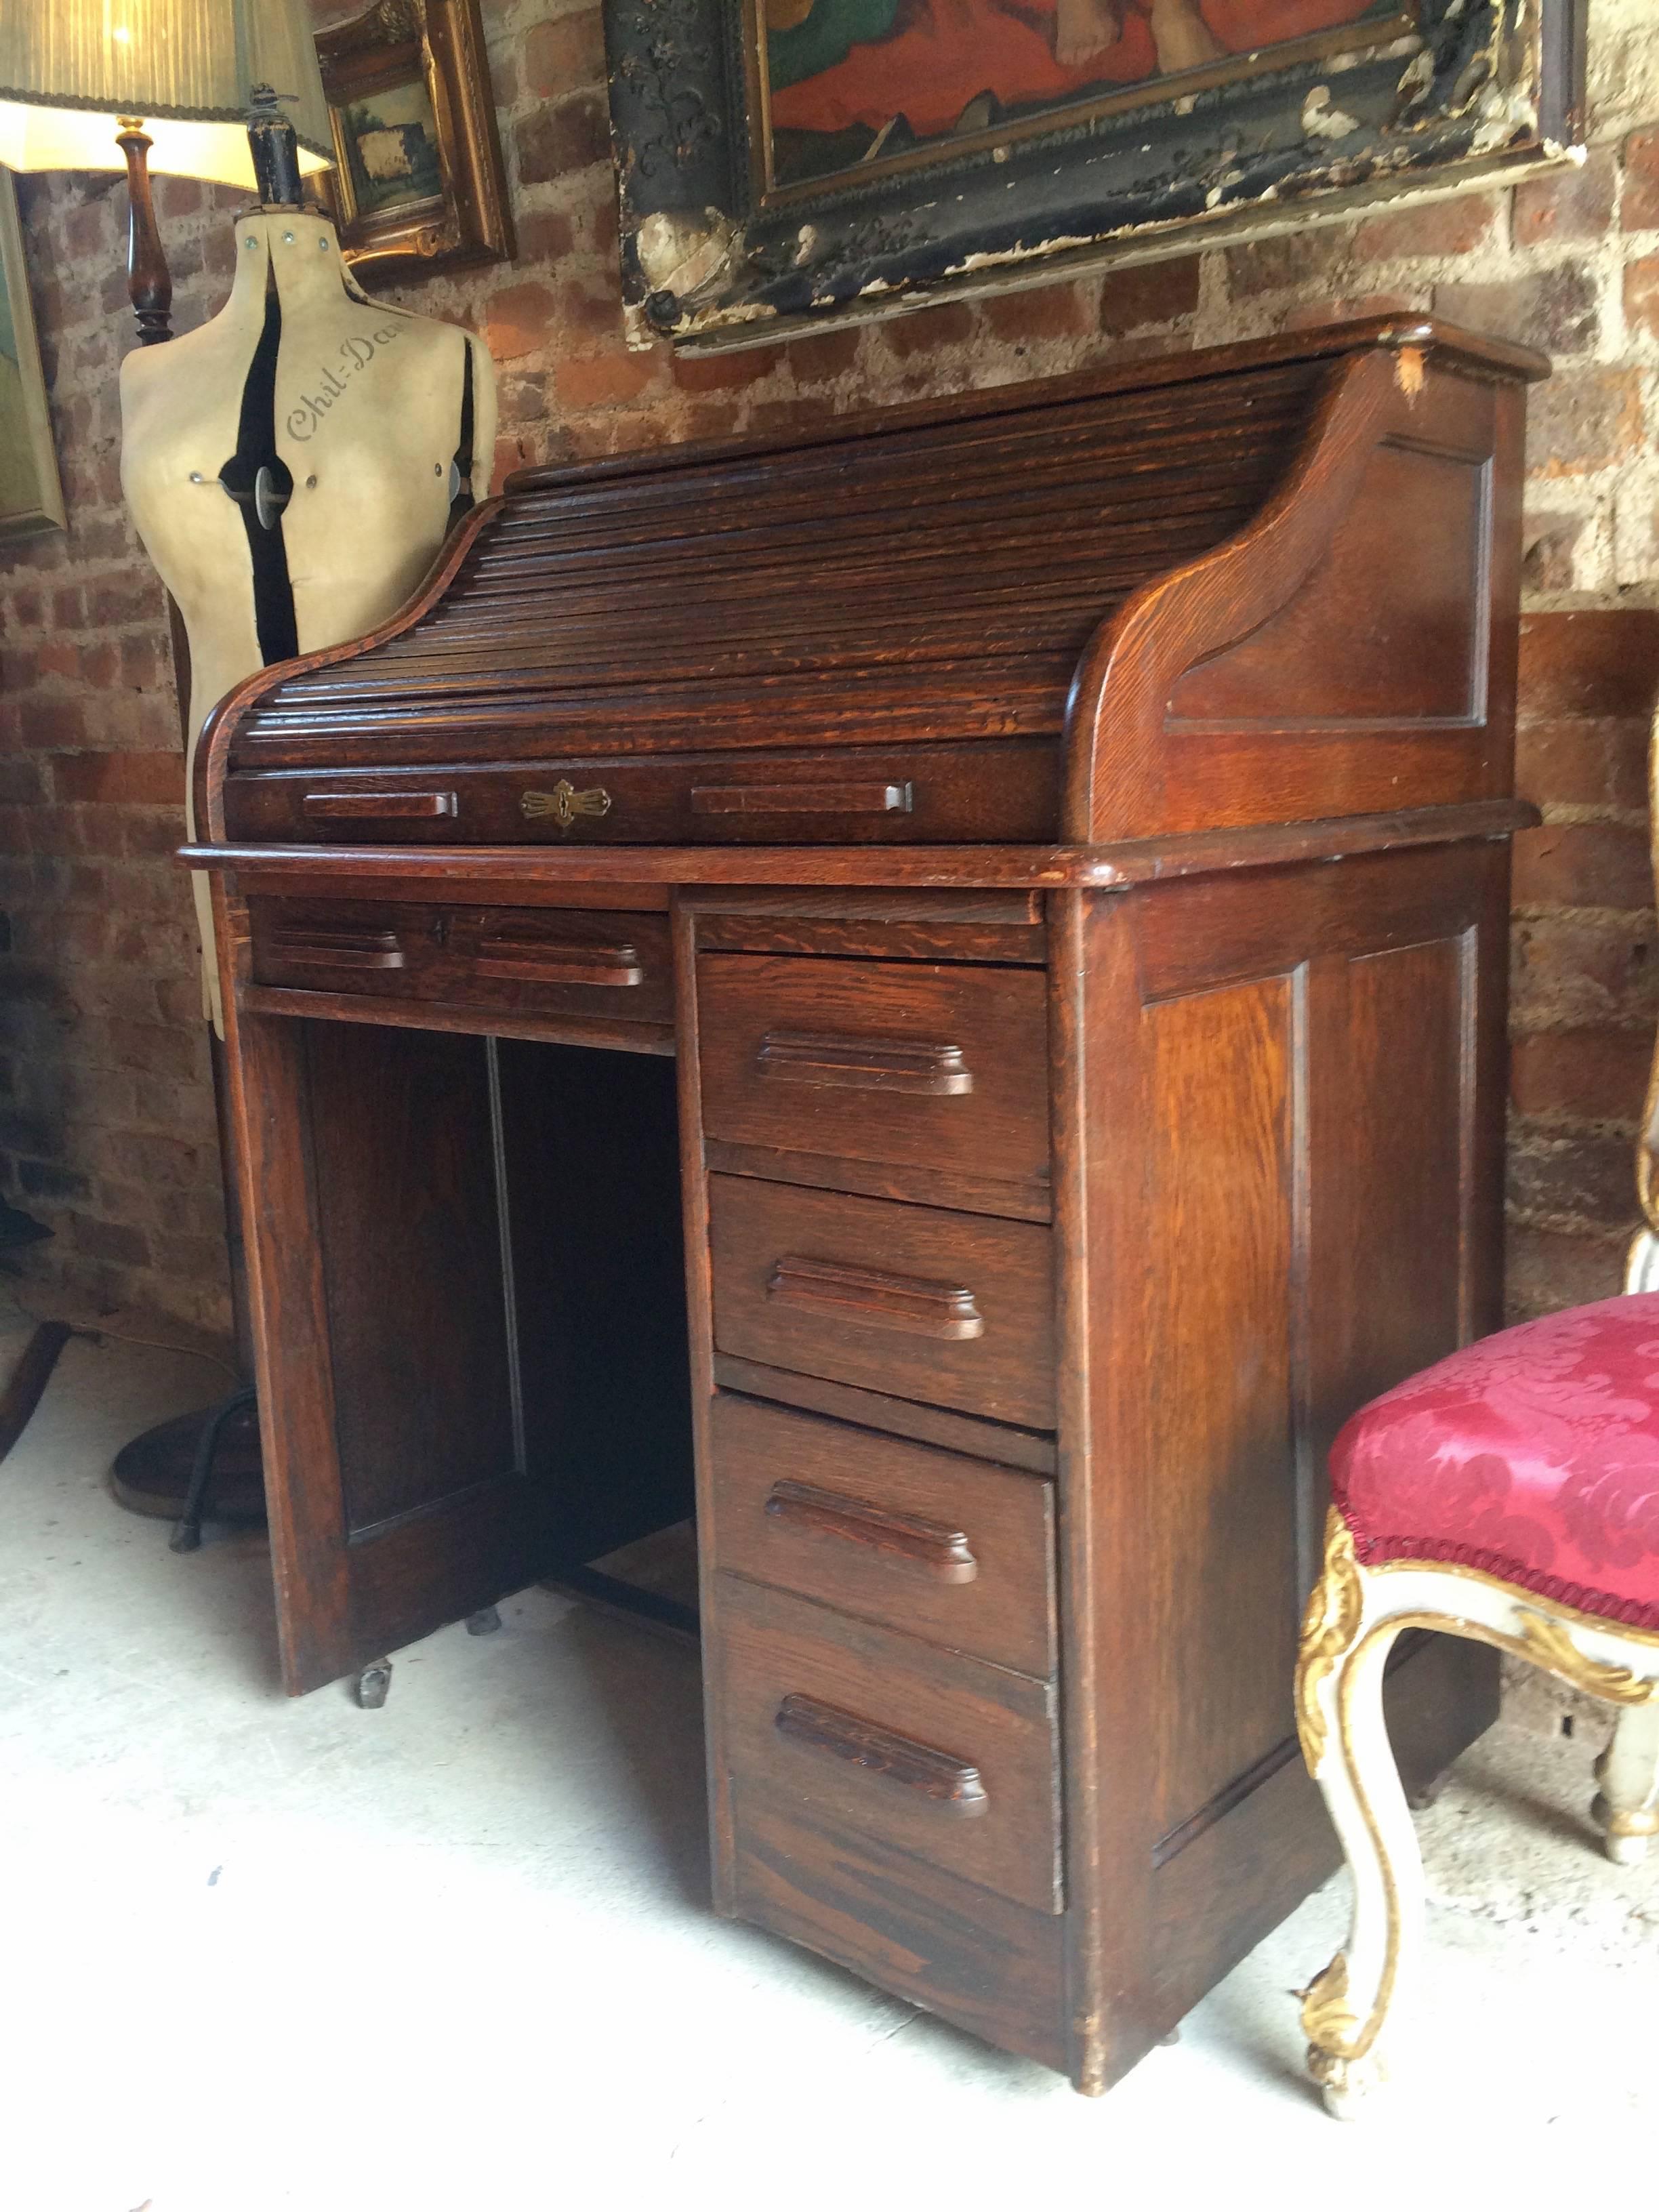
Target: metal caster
x: 372, y: 1685
x: 1164, y: 2042
x: 485, y: 1622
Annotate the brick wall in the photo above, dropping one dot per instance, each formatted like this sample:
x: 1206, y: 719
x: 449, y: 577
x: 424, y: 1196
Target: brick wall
x: 106, y: 1117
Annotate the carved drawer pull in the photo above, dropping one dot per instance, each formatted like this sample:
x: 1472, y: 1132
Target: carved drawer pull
x: 875, y: 1299
x: 801, y: 798
x: 379, y: 806
x: 950, y: 1784
x: 940, y: 1551
x: 934, y: 1070
x: 529, y: 959
x: 306, y: 944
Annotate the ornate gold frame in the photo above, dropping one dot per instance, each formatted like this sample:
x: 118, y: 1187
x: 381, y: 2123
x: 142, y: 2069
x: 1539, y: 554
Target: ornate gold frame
x: 47, y: 512
x: 468, y: 220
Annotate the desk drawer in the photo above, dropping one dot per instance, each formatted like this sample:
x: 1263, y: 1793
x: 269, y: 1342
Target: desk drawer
x: 919, y: 1749
x: 939, y: 1067
x: 952, y: 1308
x: 1007, y: 792
x: 516, y: 959
x: 946, y: 1548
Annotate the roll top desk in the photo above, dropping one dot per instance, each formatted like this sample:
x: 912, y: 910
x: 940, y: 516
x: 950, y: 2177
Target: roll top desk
x: 936, y: 985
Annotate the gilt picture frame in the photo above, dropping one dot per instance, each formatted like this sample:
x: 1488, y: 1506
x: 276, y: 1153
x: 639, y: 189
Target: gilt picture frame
x: 31, y: 493
x: 418, y: 183
x: 783, y: 163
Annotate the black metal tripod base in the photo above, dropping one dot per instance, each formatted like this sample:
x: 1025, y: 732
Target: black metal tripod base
x: 153, y: 1474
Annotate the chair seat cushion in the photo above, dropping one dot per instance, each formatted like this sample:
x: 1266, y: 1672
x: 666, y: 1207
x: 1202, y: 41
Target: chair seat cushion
x: 1533, y: 1456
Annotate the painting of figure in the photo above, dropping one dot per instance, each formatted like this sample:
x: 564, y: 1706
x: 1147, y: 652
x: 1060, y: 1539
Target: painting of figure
x: 853, y: 83
x: 30, y: 496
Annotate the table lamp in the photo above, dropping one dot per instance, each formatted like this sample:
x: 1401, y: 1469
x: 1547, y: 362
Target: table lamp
x: 225, y: 90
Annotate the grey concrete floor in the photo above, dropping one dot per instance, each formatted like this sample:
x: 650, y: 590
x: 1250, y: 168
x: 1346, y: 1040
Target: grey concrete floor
x: 269, y: 1953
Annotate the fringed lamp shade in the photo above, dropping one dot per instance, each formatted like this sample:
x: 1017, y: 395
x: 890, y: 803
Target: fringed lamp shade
x: 72, y: 70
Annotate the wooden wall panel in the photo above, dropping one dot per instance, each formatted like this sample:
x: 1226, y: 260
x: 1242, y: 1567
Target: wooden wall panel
x: 412, y: 1263
x: 1220, y: 1386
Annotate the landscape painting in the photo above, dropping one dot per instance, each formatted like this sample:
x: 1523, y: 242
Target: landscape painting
x: 388, y: 141
x: 418, y: 183
x: 30, y: 498
x: 852, y: 86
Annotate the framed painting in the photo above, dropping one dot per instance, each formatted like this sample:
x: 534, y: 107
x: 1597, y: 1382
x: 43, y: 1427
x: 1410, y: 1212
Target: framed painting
x: 782, y: 161
x: 31, y: 497
x: 419, y: 182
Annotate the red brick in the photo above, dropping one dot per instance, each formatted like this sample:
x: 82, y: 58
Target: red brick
x: 929, y: 329
x: 606, y: 380
x: 1582, y: 1075
x: 1549, y: 549
x: 1043, y: 311
x: 547, y: 236
x: 825, y: 355
x: 1545, y: 1270
x: 575, y: 134
x: 1582, y: 864
x: 111, y: 1241
x: 1583, y: 419
x: 567, y: 55
x: 1639, y: 209
x: 1556, y: 1179
x: 725, y: 372
x: 137, y: 778
x: 1642, y: 296
x: 1293, y: 260
x: 1597, y: 661
x: 520, y: 320
x: 1154, y: 292
x: 1451, y: 225
x: 1555, y: 308
x: 1572, y: 202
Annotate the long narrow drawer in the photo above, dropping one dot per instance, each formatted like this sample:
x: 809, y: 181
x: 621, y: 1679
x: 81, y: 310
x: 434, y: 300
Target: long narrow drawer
x: 953, y: 1309
x: 949, y: 1549
x: 920, y: 1750
x: 518, y: 959
x: 941, y: 1067
x: 1001, y: 791
x: 995, y: 1968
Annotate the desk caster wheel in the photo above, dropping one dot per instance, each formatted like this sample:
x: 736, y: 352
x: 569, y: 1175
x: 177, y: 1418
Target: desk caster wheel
x: 483, y: 1624
x: 1167, y: 2042
x: 372, y: 1685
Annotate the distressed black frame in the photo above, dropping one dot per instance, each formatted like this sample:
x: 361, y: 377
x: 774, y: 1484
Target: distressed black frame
x: 712, y: 257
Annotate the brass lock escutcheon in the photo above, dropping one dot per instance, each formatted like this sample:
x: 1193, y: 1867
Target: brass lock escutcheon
x: 565, y: 804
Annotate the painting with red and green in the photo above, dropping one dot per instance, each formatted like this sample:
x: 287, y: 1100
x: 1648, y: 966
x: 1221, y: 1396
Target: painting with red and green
x: 853, y: 85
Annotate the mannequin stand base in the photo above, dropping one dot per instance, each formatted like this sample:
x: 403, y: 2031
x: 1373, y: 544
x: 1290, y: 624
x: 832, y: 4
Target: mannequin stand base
x: 152, y: 1475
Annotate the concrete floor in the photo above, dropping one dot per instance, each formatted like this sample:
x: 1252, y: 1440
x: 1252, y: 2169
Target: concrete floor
x: 261, y: 1953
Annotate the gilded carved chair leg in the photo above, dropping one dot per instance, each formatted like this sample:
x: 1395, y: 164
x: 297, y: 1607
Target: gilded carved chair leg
x: 1627, y: 1809
x: 1345, y: 1741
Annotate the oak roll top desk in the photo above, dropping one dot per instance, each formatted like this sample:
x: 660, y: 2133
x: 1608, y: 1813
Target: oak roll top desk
x: 943, y: 980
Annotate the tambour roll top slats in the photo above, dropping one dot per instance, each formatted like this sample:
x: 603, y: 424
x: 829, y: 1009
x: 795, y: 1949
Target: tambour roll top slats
x: 936, y: 582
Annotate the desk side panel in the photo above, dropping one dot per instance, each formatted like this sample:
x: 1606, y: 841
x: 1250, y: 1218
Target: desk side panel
x: 1291, y: 1168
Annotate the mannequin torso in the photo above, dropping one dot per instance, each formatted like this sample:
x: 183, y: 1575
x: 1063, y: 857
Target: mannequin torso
x: 370, y: 414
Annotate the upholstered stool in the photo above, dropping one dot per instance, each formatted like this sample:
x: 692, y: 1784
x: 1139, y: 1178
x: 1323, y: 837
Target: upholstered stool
x: 1509, y: 1493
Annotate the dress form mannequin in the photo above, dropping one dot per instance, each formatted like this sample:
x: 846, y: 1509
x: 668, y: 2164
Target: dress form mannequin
x: 293, y: 465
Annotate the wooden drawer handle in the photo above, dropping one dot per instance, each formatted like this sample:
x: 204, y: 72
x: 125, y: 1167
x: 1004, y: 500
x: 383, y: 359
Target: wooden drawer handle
x: 875, y: 1299
x: 301, y: 945
x: 379, y: 806
x: 545, y: 960
x: 940, y: 1551
x: 872, y: 1063
x: 950, y: 1784
x: 801, y: 798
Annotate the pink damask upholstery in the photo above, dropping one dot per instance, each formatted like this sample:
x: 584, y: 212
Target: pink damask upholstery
x: 1533, y: 1455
